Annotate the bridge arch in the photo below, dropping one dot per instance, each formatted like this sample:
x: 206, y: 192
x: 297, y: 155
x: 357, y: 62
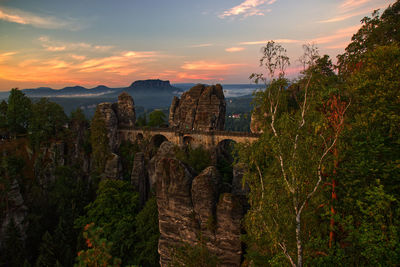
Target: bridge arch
x: 157, y: 139
x: 139, y: 137
x: 188, y: 140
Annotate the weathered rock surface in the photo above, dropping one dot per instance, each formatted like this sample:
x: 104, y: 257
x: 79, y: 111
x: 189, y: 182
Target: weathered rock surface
x: 111, y: 121
x: 139, y: 177
x: 117, y: 115
x: 17, y: 211
x: 126, y: 110
x: 176, y: 219
x: 201, y: 108
x: 229, y: 214
x: 188, y: 207
x: 113, y: 167
x: 205, y: 197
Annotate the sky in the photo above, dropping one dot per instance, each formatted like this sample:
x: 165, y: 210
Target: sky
x: 54, y: 43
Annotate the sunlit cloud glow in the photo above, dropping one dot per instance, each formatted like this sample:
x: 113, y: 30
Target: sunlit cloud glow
x: 234, y: 49
x: 263, y: 42
x: 201, y: 45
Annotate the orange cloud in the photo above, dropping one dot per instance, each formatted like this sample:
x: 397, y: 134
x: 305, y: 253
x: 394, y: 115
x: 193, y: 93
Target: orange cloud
x: 201, y: 45
x: 351, y: 4
x: 280, y: 41
x: 234, y: 49
x: 339, y: 34
x: 204, y: 65
x: 352, y: 14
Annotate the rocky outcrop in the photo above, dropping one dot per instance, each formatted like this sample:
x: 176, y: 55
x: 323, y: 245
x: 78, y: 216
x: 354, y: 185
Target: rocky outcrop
x: 227, y: 236
x: 107, y: 113
x: 139, y: 178
x: 190, y: 206
x: 126, y: 111
x: 117, y: 115
x: 113, y: 167
x: 16, y: 210
x: 201, y: 108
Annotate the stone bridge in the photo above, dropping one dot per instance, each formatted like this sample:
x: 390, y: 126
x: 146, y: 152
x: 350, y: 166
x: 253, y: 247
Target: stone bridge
x: 208, y: 139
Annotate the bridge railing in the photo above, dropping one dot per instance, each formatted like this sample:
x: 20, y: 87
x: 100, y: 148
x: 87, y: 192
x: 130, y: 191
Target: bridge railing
x: 183, y: 132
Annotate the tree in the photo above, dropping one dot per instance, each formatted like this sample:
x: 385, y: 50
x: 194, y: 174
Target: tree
x: 114, y: 210
x: 18, y: 112
x: 286, y: 165
x: 369, y: 171
x: 47, y: 122
x: 13, y: 247
x: 47, y: 256
x: 156, y: 118
x: 98, y: 252
x: 375, y: 31
x: 147, y: 235
x: 99, y: 141
x: 3, y: 119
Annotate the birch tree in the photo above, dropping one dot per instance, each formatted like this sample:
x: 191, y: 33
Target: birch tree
x: 286, y: 165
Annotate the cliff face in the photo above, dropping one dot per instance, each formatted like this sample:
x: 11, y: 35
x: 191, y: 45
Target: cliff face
x: 201, y: 108
x: 191, y: 205
x: 126, y: 111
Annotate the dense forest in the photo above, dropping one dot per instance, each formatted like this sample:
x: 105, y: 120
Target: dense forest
x: 323, y: 177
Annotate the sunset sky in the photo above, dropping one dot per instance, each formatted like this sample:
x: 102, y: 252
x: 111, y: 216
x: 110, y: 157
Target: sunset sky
x: 91, y: 42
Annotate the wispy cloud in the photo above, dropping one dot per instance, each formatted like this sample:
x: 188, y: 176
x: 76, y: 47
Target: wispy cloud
x: 6, y: 55
x: 206, y: 65
x: 57, y: 46
x: 200, y: 45
x: 337, y: 35
x: 280, y: 41
x: 351, y: 4
x: 248, y: 8
x: 39, y: 21
x: 234, y: 49
x: 352, y: 8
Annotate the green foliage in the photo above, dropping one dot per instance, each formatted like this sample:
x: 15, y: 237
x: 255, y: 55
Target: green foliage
x: 198, y: 158
x: 47, y: 123
x: 98, y: 252
x: 99, y: 141
x: 241, y: 124
x: 47, y: 256
x: 193, y: 256
x: 375, y: 31
x: 18, y: 112
x: 114, y: 210
x: 147, y: 234
x: 12, y: 253
x: 157, y: 118
x: 141, y: 120
x: 3, y: 118
x: 127, y: 151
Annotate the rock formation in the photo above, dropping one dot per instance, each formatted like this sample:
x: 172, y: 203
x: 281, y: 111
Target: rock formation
x: 139, y: 178
x: 126, y: 111
x: 111, y: 121
x: 17, y: 211
x: 113, y: 167
x: 201, y: 108
x: 116, y: 115
x: 190, y: 206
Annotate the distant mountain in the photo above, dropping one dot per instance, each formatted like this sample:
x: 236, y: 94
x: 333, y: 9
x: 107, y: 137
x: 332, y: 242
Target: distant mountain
x: 137, y: 88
